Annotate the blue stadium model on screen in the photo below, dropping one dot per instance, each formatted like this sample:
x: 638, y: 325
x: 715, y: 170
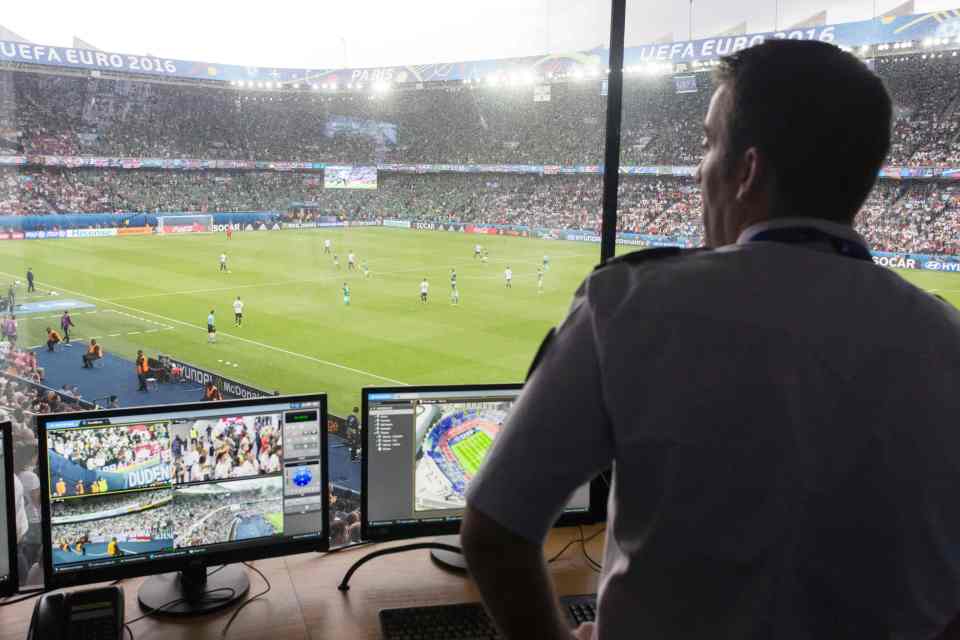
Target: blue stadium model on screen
x: 8, y: 515
x: 421, y: 448
x: 175, y: 489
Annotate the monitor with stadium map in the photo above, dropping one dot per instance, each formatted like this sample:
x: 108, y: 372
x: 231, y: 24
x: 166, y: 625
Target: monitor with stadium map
x: 421, y: 447
x: 179, y: 488
x: 8, y: 515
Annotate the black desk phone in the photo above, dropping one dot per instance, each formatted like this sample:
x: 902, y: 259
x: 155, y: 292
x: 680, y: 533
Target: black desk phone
x: 93, y: 614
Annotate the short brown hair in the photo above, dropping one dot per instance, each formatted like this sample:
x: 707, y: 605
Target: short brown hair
x: 816, y: 113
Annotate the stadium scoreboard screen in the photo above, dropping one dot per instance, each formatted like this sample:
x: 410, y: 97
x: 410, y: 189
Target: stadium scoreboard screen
x: 165, y: 484
x: 685, y: 84
x: 421, y: 448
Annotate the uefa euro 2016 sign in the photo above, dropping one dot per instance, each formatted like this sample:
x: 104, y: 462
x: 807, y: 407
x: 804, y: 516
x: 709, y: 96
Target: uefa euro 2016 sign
x: 887, y: 29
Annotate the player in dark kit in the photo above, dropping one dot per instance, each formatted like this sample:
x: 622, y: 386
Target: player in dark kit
x: 30, y: 287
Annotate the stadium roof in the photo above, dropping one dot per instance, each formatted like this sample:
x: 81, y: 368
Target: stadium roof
x: 289, y: 33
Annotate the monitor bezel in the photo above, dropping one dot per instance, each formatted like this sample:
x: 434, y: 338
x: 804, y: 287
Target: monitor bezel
x: 420, y: 529
x: 10, y: 509
x: 148, y: 568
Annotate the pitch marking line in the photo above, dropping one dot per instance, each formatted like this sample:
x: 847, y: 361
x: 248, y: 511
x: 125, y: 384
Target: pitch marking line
x: 235, y: 337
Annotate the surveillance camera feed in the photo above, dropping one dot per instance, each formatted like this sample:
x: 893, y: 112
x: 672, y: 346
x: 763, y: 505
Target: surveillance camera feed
x: 147, y: 487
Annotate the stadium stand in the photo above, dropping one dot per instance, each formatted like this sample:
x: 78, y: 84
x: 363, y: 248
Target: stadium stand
x: 69, y: 115
x: 909, y: 216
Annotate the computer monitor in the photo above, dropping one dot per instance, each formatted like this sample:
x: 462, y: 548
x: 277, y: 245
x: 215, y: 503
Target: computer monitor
x: 179, y: 488
x: 8, y: 517
x: 421, y: 448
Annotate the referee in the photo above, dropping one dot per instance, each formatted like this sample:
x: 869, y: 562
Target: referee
x: 780, y: 413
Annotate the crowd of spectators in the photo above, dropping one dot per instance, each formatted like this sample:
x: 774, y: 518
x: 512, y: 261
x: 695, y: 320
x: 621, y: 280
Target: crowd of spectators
x: 211, y: 518
x: 910, y: 215
x: 916, y: 217
x: 48, y: 114
x: 152, y: 524
x: 74, y: 509
x: 926, y: 97
x: 98, y: 449
x: 227, y: 448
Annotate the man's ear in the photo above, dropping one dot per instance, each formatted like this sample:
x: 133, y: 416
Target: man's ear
x: 750, y: 176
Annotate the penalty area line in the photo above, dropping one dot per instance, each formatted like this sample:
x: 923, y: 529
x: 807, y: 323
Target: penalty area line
x: 235, y: 337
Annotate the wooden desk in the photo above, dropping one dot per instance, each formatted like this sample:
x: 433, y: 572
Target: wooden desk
x: 305, y: 604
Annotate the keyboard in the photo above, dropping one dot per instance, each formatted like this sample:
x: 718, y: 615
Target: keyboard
x: 467, y: 621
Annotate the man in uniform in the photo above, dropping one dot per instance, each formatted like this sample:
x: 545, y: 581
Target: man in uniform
x: 52, y: 339
x: 508, y: 277
x: 94, y: 353
x: 65, y: 323
x: 353, y: 433
x: 211, y: 392
x: 223, y: 262
x: 779, y: 468
x: 143, y: 371
x: 30, y: 287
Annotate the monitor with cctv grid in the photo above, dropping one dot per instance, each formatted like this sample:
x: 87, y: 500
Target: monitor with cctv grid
x: 8, y: 519
x: 130, y: 492
x: 421, y: 448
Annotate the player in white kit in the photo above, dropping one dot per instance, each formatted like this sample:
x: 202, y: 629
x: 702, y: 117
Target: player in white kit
x: 508, y: 277
x: 238, y: 311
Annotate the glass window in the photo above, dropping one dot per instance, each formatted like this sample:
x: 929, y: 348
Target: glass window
x: 408, y: 198
x: 670, y: 52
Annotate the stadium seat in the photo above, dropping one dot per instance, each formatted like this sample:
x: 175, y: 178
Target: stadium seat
x: 151, y: 384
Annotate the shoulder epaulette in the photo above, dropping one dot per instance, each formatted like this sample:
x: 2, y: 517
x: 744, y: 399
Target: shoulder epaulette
x: 647, y: 255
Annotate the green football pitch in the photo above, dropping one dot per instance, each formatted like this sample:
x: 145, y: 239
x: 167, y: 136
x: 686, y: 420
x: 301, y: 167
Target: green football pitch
x: 154, y: 293
x: 471, y: 451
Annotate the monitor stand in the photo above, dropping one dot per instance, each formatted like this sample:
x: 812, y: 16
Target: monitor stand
x: 193, y: 591
x: 449, y: 559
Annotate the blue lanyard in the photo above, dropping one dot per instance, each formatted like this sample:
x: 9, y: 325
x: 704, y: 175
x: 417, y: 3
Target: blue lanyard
x: 812, y: 235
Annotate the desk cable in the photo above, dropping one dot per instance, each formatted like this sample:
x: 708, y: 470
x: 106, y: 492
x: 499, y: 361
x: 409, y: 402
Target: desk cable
x: 582, y: 541
x: 345, y: 583
x: 173, y: 603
